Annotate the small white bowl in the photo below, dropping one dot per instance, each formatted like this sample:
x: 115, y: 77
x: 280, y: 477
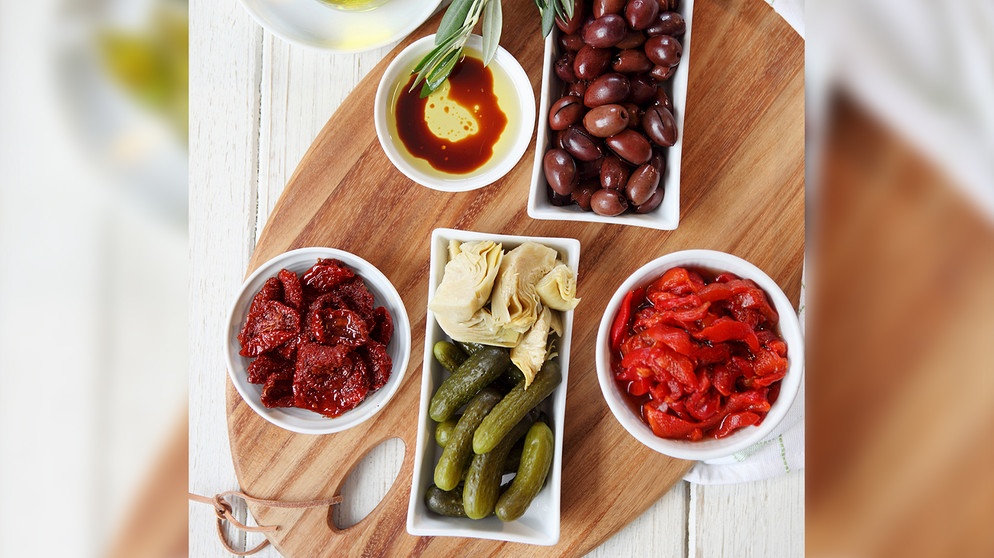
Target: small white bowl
x: 303, y: 420
x: 312, y: 24
x: 540, y: 524
x: 706, y: 449
x: 664, y: 217
x: 520, y: 111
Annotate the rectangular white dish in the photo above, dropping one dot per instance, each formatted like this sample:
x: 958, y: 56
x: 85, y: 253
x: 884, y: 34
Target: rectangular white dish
x: 664, y: 217
x: 540, y: 524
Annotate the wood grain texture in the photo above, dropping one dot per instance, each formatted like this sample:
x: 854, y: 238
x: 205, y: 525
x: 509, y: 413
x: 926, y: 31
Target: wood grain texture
x: 742, y: 193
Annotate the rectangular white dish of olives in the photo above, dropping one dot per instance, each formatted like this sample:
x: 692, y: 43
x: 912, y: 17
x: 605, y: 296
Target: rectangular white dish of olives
x: 611, y: 115
x: 493, y: 387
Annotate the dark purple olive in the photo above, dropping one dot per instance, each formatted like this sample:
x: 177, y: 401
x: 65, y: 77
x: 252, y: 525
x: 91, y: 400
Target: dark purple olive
x: 659, y: 126
x: 576, y: 89
x: 608, y: 202
x: 662, y: 73
x: 633, y: 39
x: 630, y: 146
x: 658, y: 161
x: 663, y: 50
x: 604, y: 7
x: 643, y: 89
x: 581, y: 195
x: 663, y: 100
x: 564, y: 67
x: 575, y: 22
x: 614, y: 173
x: 558, y: 140
x: 605, y: 32
x: 606, y: 120
x: 642, y: 184
x: 560, y: 171
x: 581, y: 144
x: 667, y: 23
x: 572, y: 42
x: 634, y: 115
x: 590, y: 169
x: 609, y: 88
x: 591, y: 62
x: 653, y: 202
x: 641, y: 13
x: 565, y: 112
x: 631, y: 61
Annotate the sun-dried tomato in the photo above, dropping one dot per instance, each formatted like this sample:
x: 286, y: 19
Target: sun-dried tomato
x: 327, y: 380
x: 382, y: 328
x: 268, y: 325
x: 327, y: 274
x: 378, y: 362
x: 319, y: 342
x: 702, y: 357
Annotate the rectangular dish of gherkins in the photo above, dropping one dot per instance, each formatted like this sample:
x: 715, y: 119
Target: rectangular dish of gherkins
x: 493, y: 388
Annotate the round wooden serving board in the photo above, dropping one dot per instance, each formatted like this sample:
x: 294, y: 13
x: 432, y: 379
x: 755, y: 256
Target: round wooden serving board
x: 742, y: 192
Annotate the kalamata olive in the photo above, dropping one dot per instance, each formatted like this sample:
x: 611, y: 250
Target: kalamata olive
x: 575, y: 22
x: 643, y: 89
x: 634, y: 115
x: 604, y: 7
x: 630, y: 146
x: 581, y: 195
x: 663, y: 50
x: 559, y: 200
x: 605, y: 32
x: 559, y: 139
x: 576, y: 89
x: 669, y: 5
x: 653, y: 201
x: 641, y: 13
x: 609, y: 88
x: 565, y: 112
x: 633, y: 39
x: 662, y: 73
x: 667, y: 23
x: 658, y: 161
x: 560, y: 171
x: 642, y: 184
x: 608, y: 202
x: 572, y: 42
x: 631, y: 61
x: 606, y: 120
x: 581, y: 144
x: 663, y: 100
x: 659, y: 126
x: 590, y: 169
x: 564, y: 67
x: 614, y: 173
x: 591, y: 62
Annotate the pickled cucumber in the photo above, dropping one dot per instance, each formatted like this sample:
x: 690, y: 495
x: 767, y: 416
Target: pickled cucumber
x: 473, y: 375
x: 536, y: 460
x: 515, y: 405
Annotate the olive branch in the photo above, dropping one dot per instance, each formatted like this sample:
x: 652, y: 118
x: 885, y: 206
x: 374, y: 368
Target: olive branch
x: 457, y: 24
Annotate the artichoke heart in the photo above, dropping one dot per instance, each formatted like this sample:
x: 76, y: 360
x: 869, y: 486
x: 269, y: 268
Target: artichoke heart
x: 557, y: 289
x: 529, y: 354
x: 514, y: 303
x: 480, y: 328
x: 467, y: 281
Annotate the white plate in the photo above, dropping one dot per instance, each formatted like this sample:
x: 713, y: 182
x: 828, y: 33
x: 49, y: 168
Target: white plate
x: 664, y: 217
x: 519, y: 106
x: 302, y: 420
x: 540, y: 524
x: 313, y: 24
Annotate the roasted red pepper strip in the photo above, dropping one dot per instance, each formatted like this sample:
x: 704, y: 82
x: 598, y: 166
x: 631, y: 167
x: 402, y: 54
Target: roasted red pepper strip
x: 619, y: 329
x: 726, y: 329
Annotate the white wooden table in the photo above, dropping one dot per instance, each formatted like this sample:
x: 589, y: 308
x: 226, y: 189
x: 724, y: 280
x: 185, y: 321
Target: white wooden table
x: 257, y: 102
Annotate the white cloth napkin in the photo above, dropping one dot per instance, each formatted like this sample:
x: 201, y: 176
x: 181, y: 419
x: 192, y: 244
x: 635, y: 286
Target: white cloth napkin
x: 792, y: 11
x: 779, y: 453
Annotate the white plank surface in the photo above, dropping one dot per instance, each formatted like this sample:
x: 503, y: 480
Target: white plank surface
x: 257, y: 102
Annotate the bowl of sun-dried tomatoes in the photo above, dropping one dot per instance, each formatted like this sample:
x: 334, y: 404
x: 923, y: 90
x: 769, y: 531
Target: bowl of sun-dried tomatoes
x: 699, y: 354
x: 318, y: 340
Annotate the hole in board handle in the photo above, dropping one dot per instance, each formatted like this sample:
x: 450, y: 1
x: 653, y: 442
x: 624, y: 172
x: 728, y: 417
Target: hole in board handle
x: 368, y: 482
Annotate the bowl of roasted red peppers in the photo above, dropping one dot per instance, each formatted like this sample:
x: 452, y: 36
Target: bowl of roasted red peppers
x: 318, y: 340
x: 699, y: 354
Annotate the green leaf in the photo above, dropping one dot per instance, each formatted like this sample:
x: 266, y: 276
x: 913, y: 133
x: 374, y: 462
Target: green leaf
x: 492, y: 24
x: 548, y: 20
x: 454, y: 19
x: 567, y: 8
